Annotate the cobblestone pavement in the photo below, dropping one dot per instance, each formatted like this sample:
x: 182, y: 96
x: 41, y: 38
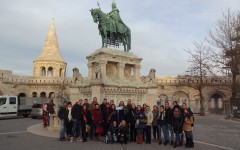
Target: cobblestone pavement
x: 210, y: 133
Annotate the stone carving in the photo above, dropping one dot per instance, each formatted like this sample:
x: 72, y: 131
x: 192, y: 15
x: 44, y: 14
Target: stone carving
x: 97, y: 70
x: 150, y: 77
x: 77, y: 77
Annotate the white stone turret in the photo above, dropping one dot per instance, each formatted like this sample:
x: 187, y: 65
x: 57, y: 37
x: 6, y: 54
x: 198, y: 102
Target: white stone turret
x: 50, y: 62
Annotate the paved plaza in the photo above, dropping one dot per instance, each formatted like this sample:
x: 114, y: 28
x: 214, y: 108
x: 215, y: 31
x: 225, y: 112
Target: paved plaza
x: 210, y: 133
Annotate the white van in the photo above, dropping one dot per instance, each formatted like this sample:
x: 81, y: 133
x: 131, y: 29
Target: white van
x: 10, y: 106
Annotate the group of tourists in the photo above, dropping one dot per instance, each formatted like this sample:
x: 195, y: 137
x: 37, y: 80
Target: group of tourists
x: 126, y: 123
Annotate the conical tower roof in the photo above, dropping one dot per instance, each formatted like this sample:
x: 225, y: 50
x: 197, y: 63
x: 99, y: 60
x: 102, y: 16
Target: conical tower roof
x: 51, y: 51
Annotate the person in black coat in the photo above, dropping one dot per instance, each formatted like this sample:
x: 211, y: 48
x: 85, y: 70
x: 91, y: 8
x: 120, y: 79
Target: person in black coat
x: 177, y: 122
x: 113, y: 132
x: 62, y: 115
x: 132, y: 122
x: 168, y: 117
x: 113, y: 114
x: 123, y: 132
x: 77, y: 119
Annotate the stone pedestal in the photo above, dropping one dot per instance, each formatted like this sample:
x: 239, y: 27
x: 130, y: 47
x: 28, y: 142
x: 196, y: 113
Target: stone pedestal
x: 54, y: 122
x: 115, y: 75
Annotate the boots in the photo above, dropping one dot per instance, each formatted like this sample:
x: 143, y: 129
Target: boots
x: 140, y: 139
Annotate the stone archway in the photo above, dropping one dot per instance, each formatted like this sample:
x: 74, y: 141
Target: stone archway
x: 180, y: 97
x: 43, y: 95
x: 161, y: 99
x: 22, y: 95
x: 216, y: 103
x: 34, y: 94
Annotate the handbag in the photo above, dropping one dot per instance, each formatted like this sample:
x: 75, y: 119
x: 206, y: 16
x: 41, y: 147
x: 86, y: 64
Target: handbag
x: 99, y: 129
x: 143, y: 120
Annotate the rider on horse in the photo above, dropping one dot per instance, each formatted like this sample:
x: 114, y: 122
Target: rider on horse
x: 115, y: 17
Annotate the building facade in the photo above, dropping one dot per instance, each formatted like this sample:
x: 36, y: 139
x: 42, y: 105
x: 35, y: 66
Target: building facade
x: 114, y: 75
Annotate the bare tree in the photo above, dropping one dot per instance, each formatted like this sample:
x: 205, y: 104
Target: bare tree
x: 225, y: 40
x: 201, y: 67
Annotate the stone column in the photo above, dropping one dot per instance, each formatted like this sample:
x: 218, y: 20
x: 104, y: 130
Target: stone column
x: 137, y: 72
x: 120, y: 68
x: 90, y: 70
x: 103, y: 65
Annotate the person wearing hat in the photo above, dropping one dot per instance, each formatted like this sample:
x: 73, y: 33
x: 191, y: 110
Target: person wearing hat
x: 62, y: 115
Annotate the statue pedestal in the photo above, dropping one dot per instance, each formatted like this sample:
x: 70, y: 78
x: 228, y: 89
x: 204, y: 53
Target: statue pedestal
x: 115, y: 75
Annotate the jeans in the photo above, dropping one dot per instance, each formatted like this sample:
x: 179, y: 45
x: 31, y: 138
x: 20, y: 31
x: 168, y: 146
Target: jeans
x: 76, y: 129
x: 177, y: 137
x: 148, y: 134
x: 62, y: 129
x: 112, y: 137
x: 189, y: 137
x: 170, y: 129
x: 155, y: 132
x: 133, y: 133
x: 162, y: 128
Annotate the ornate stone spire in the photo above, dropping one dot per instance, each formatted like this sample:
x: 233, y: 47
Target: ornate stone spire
x: 50, y: 51
x: 50, y: 62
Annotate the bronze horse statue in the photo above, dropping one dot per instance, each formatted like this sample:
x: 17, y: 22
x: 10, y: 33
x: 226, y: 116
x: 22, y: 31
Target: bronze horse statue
x: 109, y: 32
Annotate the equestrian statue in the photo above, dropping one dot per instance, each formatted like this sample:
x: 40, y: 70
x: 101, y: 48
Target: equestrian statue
x: 112, y: 29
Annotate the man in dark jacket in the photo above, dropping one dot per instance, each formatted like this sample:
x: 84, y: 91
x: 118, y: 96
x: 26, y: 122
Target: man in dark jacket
x: 104, y: 115
x: 62, y: 115
x: 77, y: 119
x: 168, y: 117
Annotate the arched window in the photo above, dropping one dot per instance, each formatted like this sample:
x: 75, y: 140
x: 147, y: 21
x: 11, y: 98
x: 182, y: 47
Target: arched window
x: 43, y: 71
x: 50, y: 72
x: 43, y: 94
x: 34, y: 94
x: 51, y: 95
x: 61, y: 72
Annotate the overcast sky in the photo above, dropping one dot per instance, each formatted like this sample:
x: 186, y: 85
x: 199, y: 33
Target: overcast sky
x: 161, y: 30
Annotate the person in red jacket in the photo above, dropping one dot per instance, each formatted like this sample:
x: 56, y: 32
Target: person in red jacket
x: 97, y: 121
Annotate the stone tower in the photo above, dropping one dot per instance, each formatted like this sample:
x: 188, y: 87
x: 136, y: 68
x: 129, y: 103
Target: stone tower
x: 50, y: 62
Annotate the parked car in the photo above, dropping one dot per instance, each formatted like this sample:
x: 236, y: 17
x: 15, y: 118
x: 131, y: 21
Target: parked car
x: 37, y: 111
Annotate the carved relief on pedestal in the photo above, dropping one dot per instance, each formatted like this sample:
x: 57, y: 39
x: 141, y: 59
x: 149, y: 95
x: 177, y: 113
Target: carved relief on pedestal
x: 128, y: 71
x: 111, y: 69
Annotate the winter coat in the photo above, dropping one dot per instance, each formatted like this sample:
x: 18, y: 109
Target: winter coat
x: 155, y: 119
x: 130, y: 116
x: 161, y: 118
x: 88, y: 116
x: 104, y: 112
x: 62, y: 113
x: 50, y: 108
x: 77, y: 112
x: 121, y: 115
x: 123, y: 130
x: 108, y: 113
x: 112, y: 116
x: 169, y: 115
x: 187, y: 124
x: 113, y: 130
x: 149, y: 116
x: 97, y: 116
x: 139, y: 115
x: 177, y: 121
